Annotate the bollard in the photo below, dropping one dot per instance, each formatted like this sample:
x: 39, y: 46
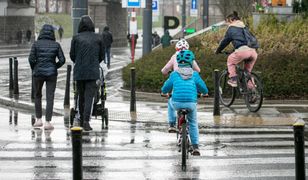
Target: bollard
x: 67, y: 87
x: 76, y: 133
x: 16, y: 89
x: 299, y: 143
x: 11, y: 85
x: 133, y: 90
x: 216, y: 111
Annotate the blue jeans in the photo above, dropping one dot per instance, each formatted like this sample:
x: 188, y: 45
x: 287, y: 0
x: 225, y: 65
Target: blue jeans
x: 191, y: 116
x: 107, y: 56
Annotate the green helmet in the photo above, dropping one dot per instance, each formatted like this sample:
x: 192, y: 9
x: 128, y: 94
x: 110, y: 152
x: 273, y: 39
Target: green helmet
x: 185, y: 58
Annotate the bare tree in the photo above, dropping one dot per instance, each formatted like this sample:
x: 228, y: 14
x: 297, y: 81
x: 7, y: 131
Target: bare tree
x: 243, y: 7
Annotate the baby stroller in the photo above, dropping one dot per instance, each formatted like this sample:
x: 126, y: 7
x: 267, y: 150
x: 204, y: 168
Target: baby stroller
x: 98, y: 108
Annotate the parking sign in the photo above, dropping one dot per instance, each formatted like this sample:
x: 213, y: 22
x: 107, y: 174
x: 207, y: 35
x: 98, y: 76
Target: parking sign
x: 155, y: 7
x: 194, y: 8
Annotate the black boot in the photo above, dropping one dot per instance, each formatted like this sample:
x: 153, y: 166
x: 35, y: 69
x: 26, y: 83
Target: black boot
x: 86, y: 126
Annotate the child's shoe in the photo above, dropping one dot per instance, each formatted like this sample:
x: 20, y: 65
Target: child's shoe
x: 195, y: 151
x: 38, y: 123
x: 171, y: 129
x: 48, y: 126
x: 232, y: 83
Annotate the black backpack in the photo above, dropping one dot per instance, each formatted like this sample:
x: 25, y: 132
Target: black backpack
x: 252, y: 41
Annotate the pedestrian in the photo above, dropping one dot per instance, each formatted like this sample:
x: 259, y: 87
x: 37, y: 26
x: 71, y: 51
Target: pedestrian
x: 108, y: 39
x: 28, y: 35
x: 19, y: 36
x: 87, y: 52
x: 60, y: 32
x: 235, y: 34
x: 155, y: 39
x: 185, y: 83
x: 129, y: 38
x: 44, y: 67
x: 166, y: 39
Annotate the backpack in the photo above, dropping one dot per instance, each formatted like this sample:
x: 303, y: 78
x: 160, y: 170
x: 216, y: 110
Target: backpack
x: 252, y: 41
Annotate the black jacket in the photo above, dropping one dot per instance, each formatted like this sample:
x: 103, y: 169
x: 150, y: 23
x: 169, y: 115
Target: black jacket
x: 87, y: 51
x: 235, y: 35
x: 107, y: 37
x: 43, y: 54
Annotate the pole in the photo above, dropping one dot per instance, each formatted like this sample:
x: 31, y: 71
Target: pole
x: 133, y: 16
x: 79, y: 8
x: 147, y: 28
x: 11, y: 85
x: 216, y: 93
x: 16, y: 89
x: 183, y: 16
x: 299, y: 144
x: 205, y: 13
x: 76, y: 133
x: 67, y: 88
x: 132, y: 91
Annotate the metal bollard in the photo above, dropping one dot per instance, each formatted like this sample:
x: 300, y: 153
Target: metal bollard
x: 133, y: 90
x: 11, y: 85
x: 216, y: 111
x: 299, y: 143
x: 76, y: 133
x: 67, y: 87
x: 16, y: 88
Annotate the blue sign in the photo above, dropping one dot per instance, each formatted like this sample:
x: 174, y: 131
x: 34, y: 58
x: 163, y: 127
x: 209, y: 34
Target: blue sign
x: 154, y: 5
x: 193, y: 4
x: 133, y: 3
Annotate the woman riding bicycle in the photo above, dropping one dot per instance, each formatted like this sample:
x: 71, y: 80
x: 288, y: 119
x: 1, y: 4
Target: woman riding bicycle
x: 184, y: 84
x: 235, y: 34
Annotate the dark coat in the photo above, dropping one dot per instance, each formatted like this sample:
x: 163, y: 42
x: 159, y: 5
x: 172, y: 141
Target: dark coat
x: 234, y: 34
x: 107, y: 37
x: 43, y: 54
x: 87, y: 51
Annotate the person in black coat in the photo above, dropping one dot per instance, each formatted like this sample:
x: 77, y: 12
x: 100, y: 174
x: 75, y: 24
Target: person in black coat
x: 108, y: 39
x: 87, y: 52
x: 44, y: 67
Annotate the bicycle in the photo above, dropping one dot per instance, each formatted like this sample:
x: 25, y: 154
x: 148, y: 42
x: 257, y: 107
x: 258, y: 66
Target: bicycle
x: 182, y: 133
x: 249, y: 85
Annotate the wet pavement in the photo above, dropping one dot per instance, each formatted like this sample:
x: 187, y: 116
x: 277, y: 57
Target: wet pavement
x: 236, y: 145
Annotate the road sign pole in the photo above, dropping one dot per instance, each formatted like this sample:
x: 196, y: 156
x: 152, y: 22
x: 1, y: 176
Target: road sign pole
x: 147, y: 28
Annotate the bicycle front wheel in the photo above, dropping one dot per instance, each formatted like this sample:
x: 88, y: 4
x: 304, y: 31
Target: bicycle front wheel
x: 254, y: 96
x: 184, y: 146
x: 226, y: 92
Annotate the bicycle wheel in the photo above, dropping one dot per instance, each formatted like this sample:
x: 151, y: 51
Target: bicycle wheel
x: 226, y: 92
x: 254, y: 96
x: 184, y: 146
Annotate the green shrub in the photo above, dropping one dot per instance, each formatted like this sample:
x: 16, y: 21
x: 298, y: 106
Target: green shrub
x: 282, y: 62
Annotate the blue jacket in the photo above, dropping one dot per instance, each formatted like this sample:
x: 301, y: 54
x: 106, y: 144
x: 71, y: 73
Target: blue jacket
x: 185, y: 84
x: 235, y: 35
x: 44, y: 52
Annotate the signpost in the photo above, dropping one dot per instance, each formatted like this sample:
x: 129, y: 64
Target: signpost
x: 194, y: 8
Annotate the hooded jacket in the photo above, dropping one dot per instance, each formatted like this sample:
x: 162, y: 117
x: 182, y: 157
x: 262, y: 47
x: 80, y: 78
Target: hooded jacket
x: 185, y: 85
x: 107, y: 37
x: 165, y: 39
x: 235, y: 35
x: 43, y: 54
x: 87, y: 51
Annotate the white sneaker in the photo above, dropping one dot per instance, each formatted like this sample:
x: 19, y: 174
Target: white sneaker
x: 48, y: 126
x: 38, y: 123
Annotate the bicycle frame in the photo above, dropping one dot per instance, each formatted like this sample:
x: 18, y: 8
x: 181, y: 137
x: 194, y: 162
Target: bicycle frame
x: 184, y: 139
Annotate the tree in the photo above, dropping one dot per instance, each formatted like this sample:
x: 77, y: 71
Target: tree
x: 243, y: 7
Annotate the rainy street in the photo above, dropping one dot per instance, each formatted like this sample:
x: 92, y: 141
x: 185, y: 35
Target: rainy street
x: 236, y: 145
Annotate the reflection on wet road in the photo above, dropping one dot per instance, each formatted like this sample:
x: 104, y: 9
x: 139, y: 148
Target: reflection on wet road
x: 144, y: 150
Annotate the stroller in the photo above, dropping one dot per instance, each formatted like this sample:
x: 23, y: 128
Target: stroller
x: 98, y: 109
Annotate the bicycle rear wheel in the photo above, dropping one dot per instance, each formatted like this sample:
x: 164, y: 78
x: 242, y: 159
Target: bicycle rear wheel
x: 254, y: 96
x: 226, y: 92
x: 184, y: 146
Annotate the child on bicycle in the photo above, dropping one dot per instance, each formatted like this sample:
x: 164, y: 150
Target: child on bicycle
x: 185, y: 83
x: 236, y: 35
x: 172, y: 64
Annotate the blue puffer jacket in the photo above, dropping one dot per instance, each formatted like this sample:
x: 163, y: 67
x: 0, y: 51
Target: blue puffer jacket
x: 43, y: 54
x: 184, y: 83
x: 234, y: 34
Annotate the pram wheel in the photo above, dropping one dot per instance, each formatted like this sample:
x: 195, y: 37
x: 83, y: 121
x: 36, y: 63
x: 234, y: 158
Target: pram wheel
x: 105, y: 118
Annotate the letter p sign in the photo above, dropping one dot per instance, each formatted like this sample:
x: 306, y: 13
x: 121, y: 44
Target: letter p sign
x: 175, y: 22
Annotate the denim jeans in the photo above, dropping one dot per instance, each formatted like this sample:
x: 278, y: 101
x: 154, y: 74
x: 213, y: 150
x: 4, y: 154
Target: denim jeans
x: 191, y: 116
x: 107, y: 56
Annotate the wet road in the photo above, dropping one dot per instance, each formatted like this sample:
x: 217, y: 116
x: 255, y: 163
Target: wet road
x: 143, y: 150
